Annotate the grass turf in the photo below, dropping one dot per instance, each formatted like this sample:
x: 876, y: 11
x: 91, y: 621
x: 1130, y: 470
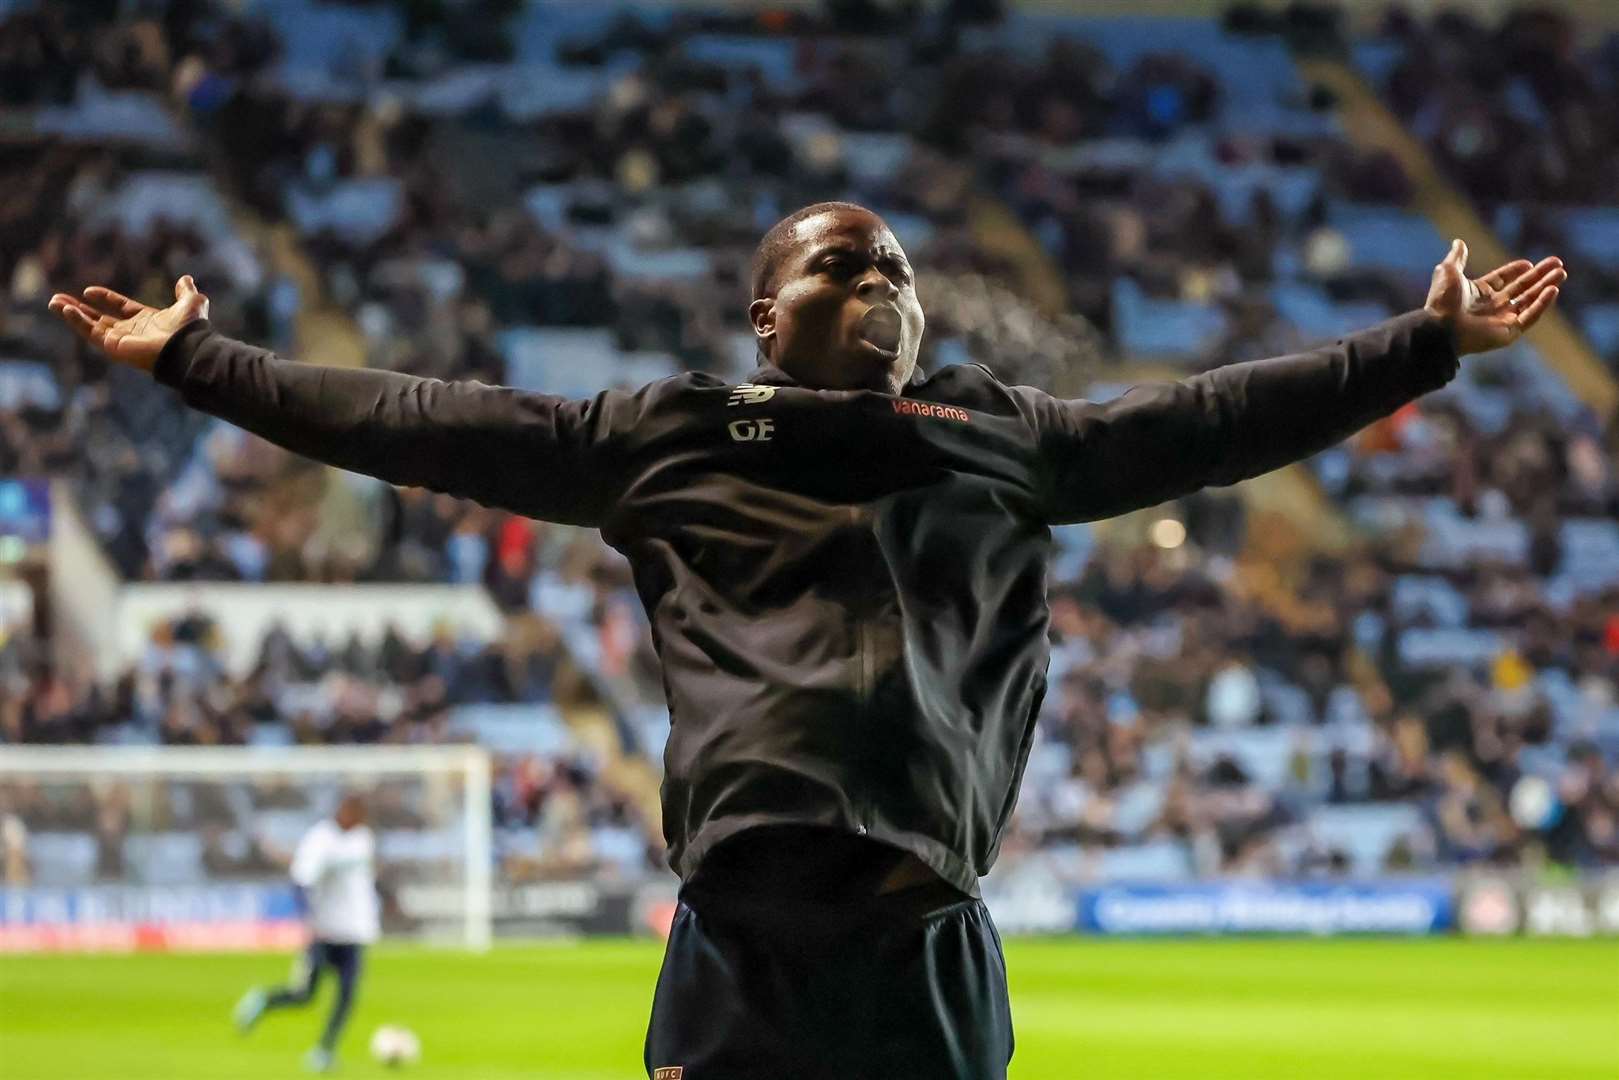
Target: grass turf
x: 1089, y: 1009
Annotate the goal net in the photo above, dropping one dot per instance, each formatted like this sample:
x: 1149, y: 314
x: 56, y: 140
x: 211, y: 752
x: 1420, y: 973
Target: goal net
x: 173, y: 848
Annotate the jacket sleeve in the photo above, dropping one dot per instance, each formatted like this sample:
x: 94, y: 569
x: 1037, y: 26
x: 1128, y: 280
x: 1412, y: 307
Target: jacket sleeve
x: 533, y: 454
x: 1160, y: 441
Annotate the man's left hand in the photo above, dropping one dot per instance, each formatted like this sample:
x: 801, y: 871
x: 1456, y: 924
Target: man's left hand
x: 1494, y: 310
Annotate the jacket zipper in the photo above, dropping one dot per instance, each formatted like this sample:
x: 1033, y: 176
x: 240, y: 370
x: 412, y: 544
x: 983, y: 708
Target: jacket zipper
x: 867, y: 674
x: 862, y: 639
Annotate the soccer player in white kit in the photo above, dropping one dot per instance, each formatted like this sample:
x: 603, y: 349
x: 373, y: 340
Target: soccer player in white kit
x: 334, y: 872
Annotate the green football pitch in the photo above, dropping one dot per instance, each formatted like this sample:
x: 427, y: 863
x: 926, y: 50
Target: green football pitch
x: 1084, y: 1010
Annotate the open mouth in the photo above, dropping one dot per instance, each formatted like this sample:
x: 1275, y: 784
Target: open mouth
x: 880, y: 328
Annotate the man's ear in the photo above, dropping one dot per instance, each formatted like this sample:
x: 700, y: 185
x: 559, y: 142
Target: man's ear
x: 762, y: 314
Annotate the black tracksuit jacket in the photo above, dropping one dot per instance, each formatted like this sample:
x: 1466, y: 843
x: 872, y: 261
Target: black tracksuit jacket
x: 847, y: 589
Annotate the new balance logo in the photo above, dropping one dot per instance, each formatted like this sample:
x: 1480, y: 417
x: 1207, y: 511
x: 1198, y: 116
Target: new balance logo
x: 752, y: 430
x: 668, y: 1072
x: 907, y: 407
x: 751, y: 394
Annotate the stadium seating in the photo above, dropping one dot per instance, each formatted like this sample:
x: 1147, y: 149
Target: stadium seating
x: 573, y: 208
x: 1545, y: 105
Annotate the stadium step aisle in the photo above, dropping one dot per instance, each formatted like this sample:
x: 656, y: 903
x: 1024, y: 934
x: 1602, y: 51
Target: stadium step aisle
x: 1370, y: 124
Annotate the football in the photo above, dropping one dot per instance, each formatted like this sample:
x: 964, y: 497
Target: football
x: 395, y: 1045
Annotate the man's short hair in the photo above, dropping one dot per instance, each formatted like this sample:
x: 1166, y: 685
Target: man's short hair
x: 777, y: 243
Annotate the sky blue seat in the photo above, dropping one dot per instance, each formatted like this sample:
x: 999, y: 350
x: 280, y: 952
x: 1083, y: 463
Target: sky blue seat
x: 1163, y: 860
x: 28, y: 383
x: 742, y: 353
x: 543, y: 25
x: 167, y: 858
x: 572, y: 361
x: 1319, y: 317
x: 514, y: 729
x: 1593, y: 234
x: 913, y: 231
x: 151, y: 195
x: 1137, y: 806
x: 1263, y: 753
x: 1276, y: 118
x: 651, y: 724
x: 1389, y: 237
x: 1192, y: 154
x: 1154, y: 327
x: 772, y: 57
x: 455, y: 91
x: 1255, y: 67
x: 1121, y: 153
x: 1454, y: 541
x: 666, y: 264
x: 1590, y: 557
x: 1284, y: 700
x: 62, y: 858
x: 1434, y: 597
x: 946, y: 351
x: 530, y: 91
x: 282, y: 828
x: 1261, y: 90
x: 549, y: 203
x: 525, y: 91
x: 419, y: 845
x: 1545, y: 761
x: 622, y: 848
x: 317, y: 86
x: 1050, y: 760
x: 359, y: 210
x: 1449, y: 646
x: 1557, y: 687
x: 337, y: 38
x: 1356, y: 734
x: 1600, y: 322
x: 523, y: 841
x: 1075, y: 545
x: 1376, y: 60
x: 1521, y: 371
x: 1491, y: 389
x: 1157, y: 760
x: 876, y: 157
x: 126, y: 734
x: 270, y: 735
x: 122, y: 116
x: 1365, y: 832
x: 1596, y: 539
x: 1488, y: 408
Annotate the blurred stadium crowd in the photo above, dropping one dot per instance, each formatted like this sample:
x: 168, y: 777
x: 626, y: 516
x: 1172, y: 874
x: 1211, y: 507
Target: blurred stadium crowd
x: 564, y: 197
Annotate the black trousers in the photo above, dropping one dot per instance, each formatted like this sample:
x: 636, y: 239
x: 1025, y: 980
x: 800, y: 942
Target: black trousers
x: 342, y: 958
x: 903, y: 986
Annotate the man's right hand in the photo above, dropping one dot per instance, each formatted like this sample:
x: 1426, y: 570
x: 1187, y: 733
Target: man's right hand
x: 126, y: 331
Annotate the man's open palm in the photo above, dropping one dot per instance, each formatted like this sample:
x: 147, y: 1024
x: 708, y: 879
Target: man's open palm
x: 1494, y: 310
x: 130, y: 332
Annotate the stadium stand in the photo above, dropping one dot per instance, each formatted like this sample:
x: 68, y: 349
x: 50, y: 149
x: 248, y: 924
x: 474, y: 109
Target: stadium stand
x: 1535, y: 148
x: 563, y: 197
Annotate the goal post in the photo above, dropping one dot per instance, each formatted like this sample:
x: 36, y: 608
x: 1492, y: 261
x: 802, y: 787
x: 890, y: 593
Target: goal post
x: 149, y: 846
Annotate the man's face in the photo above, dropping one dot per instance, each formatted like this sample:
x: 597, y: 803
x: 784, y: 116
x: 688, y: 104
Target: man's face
x: 350, y: 812
x: 844, y: 315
